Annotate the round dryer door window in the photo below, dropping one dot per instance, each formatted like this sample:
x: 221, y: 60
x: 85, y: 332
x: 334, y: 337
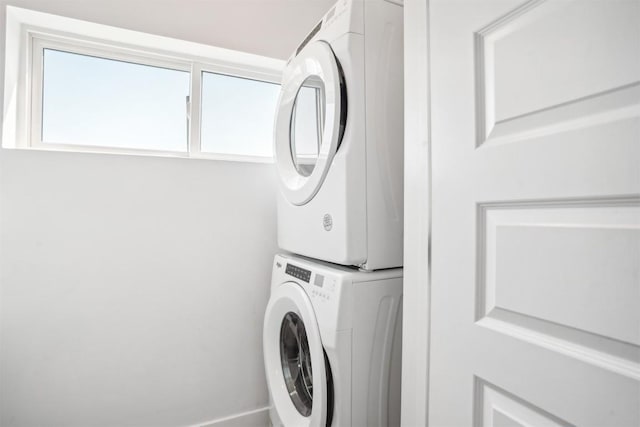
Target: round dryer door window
x: 310, y: 121
x: 307, y: 122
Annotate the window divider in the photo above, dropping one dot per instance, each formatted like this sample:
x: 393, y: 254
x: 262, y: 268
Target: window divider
x: 195, y: 115
x: 33, y: 100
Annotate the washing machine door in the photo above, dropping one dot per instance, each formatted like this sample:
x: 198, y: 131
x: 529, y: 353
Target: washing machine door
x: 294, y: 358
x: 310, y: 121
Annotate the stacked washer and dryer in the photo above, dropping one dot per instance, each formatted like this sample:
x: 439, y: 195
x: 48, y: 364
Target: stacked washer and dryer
x: 332, y: 327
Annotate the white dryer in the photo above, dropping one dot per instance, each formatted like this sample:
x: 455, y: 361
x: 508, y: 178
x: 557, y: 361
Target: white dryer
x: 332, y: 345
x: 338, y: 138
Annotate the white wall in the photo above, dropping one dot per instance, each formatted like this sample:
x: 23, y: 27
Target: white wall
x: 132, y: 288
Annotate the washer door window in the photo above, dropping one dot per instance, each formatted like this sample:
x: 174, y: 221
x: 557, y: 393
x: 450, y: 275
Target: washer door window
x: 294, y: 359
x: 296, y: 363
x: 310, y: 121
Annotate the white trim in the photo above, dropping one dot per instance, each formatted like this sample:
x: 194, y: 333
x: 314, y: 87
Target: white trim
x: 195, y: 111
x: 151, y: 153
x: 254, y: 418
x: 28, y: 32
x: 417, y: 215
x: 233, y: 157
x: 45, y: 23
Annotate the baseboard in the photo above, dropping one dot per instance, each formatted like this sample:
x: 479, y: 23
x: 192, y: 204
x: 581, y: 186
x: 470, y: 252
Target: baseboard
x: 255, y: 418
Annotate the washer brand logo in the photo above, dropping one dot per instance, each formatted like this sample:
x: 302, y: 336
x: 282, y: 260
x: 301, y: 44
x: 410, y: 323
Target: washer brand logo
x: 327, y: 222
x: 278, y: 265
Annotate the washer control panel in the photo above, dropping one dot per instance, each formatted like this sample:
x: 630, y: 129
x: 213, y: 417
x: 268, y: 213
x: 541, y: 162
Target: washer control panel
x: 298, y: 272
x: 320, y: 286
x: 323, y: 286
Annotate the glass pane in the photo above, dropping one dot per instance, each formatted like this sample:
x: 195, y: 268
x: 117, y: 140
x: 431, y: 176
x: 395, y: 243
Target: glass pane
x: 306, y: 125
x: 237, y: 115
x: 296, y: 363
x: 101, y: 102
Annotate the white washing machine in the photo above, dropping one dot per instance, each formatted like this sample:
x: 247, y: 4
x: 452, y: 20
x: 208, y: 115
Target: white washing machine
x: 338, y: 138
x: 332, y: 345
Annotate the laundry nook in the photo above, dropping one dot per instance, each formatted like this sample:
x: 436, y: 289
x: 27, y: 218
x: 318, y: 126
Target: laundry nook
x: 320, y: 213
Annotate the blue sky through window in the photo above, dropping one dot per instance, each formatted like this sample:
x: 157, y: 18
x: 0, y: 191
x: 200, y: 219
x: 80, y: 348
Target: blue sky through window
x: 237, y: 115
x: 102, y: 102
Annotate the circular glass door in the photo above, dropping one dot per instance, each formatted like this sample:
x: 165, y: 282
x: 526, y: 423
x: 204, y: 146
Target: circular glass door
x: 296, y: 363
x: 310, y: 121
x: 307, y: 123
x: 294, y: 359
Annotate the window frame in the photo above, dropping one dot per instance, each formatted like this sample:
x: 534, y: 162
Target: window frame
x: 30, y: 32
x: 39, y: 44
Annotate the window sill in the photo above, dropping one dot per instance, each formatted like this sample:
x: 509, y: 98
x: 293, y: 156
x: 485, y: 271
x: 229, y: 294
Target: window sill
x: 148, y: 153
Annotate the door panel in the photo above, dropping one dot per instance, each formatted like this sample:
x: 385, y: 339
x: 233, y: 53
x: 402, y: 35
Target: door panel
x: 534, y: 258
x: 498, y: 408
x: 532, y: 59
x: 535, y: 280
x: 547, y: 54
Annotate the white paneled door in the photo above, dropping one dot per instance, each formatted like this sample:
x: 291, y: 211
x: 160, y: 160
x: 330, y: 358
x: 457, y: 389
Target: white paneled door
x: 535, y: 279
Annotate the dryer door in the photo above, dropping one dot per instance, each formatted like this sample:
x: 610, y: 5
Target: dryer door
x: 294, y: 358
x: 309, y: 122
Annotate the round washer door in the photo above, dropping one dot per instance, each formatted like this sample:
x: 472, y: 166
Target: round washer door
x: 309, y: 122
x: 294, y: 358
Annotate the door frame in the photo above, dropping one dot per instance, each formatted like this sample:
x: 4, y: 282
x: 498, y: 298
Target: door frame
x: 417, y: 215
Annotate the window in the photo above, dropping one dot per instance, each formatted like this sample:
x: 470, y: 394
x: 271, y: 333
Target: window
x: 74, y: 85
x: 106, y: 103
x: 224, y: 100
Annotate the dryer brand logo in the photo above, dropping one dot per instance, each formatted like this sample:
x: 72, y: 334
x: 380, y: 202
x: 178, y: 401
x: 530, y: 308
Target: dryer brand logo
x: 327, y: 222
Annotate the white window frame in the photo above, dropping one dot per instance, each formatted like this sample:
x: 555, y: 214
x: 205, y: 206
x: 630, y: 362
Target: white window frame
x: 30, y: 32
x: 35, y: 102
